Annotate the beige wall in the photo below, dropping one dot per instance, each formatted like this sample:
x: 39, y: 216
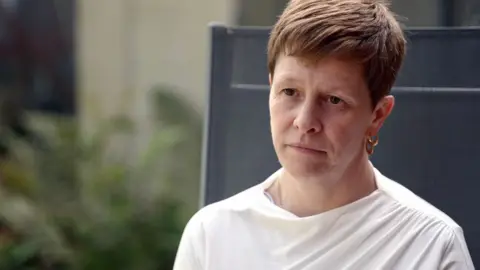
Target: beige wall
x: 127, y: 46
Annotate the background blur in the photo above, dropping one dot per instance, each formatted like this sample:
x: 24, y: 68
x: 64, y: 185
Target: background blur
x: 101, y: 112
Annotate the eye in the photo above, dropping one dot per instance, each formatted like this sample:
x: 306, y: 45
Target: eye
x: 289, y: 91
x: 334, y: 100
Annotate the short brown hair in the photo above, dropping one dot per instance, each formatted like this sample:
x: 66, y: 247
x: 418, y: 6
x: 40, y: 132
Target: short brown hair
x: 361, y: 29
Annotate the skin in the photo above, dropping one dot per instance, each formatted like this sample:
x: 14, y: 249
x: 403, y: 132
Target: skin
x: 320, y: 116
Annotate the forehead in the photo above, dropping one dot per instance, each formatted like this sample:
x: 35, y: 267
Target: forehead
x: 329, y: 72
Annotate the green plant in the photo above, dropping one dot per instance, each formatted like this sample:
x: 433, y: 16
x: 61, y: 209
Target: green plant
x: 75, y: 205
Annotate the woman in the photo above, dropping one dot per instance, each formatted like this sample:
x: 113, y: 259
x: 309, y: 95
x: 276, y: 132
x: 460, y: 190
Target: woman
x: 332, y: 64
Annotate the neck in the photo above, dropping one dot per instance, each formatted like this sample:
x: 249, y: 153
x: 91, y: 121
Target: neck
x: 327, y: 192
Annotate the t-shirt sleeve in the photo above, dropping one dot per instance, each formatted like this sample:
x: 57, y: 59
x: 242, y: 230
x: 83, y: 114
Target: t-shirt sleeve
x: 189, y: 254
x: 457, y: 256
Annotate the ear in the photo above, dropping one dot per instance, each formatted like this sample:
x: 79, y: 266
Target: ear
x: 270, y: 78
x: 380, y: 114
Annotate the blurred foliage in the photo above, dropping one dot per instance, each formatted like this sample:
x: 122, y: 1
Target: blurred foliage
x: 71, y: 205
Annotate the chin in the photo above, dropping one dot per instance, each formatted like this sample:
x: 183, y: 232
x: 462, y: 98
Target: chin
x: 305, y: 169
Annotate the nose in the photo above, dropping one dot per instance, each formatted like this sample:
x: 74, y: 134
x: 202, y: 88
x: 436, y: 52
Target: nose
x: 308, y: 120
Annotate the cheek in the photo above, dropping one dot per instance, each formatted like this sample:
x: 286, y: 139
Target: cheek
x: 345, y: 130
x: 280, y: 116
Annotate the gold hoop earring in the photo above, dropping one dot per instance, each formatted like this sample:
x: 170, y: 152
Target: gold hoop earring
x: 372, y: 141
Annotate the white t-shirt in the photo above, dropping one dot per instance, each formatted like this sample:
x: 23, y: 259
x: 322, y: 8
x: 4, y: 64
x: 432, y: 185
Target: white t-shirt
x: 392, y: 228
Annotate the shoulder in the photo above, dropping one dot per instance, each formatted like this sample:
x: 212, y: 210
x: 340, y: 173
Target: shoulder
x: 213, y: 219
x: 430, y: 222
x: 220, y: 212
x: 410, y: 201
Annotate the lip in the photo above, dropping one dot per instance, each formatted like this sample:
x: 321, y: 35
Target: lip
x: 306, y: 149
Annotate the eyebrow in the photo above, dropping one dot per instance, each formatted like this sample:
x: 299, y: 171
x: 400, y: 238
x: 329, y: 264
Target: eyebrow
x: 334, y: 90
x: 286, y: 79
x: 330, y: 90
